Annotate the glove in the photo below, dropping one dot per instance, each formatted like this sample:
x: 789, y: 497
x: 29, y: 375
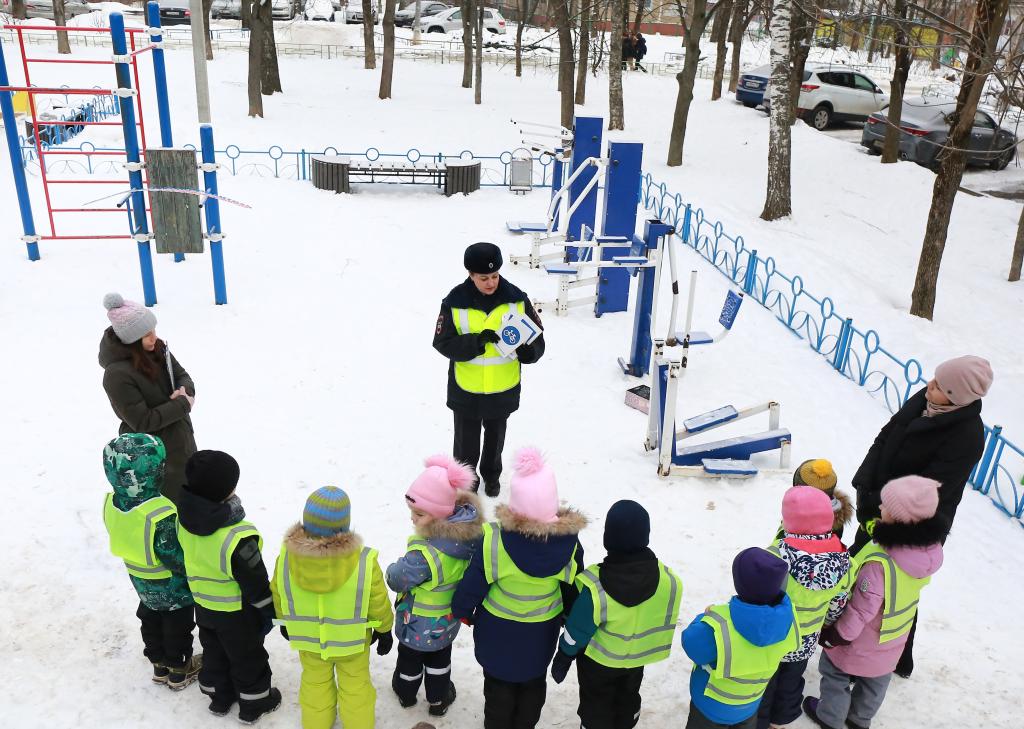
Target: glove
x: 560, y: 666
x: 830, y: 637
x: 384, y: 641
x: 488, y: 336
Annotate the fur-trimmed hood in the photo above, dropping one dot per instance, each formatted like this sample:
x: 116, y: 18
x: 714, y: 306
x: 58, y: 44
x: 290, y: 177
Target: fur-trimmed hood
x: 922, y: 534
x: 464, y: 525
x: 569, y: 523
x: 322, y: 564
x: 842, y: 510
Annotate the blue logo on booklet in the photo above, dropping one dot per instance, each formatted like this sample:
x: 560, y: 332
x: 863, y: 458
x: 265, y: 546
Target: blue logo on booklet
x: 510, y: 336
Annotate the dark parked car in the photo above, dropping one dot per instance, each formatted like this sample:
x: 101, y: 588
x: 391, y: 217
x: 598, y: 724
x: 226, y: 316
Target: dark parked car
x: 751, y: 87
x: 404, y: 17
x: 174, y: 12
x: 924, y: 129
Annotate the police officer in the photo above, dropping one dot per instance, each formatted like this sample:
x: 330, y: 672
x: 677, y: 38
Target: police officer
x: 483, y: 386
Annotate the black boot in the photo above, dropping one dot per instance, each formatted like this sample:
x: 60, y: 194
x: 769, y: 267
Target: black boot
x: 160, y: 673
x: 441, y: 708
x: 404, y: 700
x: 249, y: 712
x: 180, y: 677
x: 492, y: 488
x: 220, y: 705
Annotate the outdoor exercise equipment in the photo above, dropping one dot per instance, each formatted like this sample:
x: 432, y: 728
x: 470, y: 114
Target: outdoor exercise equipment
x: 177, y: 176
x: 729, y: 457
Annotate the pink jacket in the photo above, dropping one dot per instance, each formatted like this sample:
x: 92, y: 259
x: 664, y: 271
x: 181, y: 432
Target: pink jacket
x: 862, y: 620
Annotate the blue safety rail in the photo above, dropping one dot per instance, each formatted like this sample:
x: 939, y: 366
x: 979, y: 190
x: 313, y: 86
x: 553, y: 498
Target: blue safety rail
x: 856, y: 352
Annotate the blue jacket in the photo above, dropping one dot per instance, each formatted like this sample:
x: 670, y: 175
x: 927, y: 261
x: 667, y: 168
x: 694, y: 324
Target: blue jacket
x: 457, y: 536
x: 760, y: 624
x: 506, y: 649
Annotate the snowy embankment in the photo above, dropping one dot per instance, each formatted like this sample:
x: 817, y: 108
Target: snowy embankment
x: 320, y: 371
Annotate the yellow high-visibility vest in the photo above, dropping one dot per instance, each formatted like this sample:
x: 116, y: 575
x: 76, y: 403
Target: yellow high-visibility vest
x: 515, y: 595
x: 491, y: 372
x: 433, y: 598
x: 132, y: 534
x: 901, y: 595
x: 208, y: 564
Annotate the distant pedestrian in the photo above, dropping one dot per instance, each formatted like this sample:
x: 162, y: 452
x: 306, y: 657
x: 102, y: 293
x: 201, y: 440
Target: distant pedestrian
x: 627, y: 52
x: 147, y: 388
x: 639, y: 50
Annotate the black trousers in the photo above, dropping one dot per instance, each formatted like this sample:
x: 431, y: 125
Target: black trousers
x: 697, y: 720
x: 609, y: 697
x: 509, y: 705
x: 415, y: 667
x: 783, y: 696
x: 235, y: 663
x: 167, y: 635
x: 467, y: 444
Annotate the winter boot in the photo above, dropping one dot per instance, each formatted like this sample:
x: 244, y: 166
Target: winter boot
x: 404, y: 700
x: 492, y: 488
x: 179, y: 678
x: 810, y: 707
x: 441, y: 708
x: 249, y: 712
x: 160, y: 672
x: 221, y: 705
x: 852, y: 725
x: 905, y: 667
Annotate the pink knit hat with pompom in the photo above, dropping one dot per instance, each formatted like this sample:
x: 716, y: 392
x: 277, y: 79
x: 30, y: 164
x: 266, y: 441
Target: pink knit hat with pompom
x: 534, y: 493
x: 434, y: 490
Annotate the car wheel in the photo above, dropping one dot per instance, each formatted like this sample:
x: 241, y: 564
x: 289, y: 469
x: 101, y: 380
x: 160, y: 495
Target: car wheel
x: 1003, y: 160
x: 435, y: 29
x: 821, y: 117
x: 749, y: 104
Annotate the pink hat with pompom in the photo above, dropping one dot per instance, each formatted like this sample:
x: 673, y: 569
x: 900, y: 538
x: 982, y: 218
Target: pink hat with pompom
x: 534, y: 493
x: 434, y: 490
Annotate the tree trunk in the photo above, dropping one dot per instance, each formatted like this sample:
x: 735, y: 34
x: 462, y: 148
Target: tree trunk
x: 467, y: 43
x: 858, y: 29
x: 616, y: 114
x: 369, y: 54
x: 801, y: 28
x: 478, y: 54
x: 417, y: 9
x: 873, y: 31
x: 1017, y: 259
x: 207, y: 7
x: 256, y: 38
x: 18, y: 9
x: 387, y: 68
x: 566, y: 61
x: 640, y: 5
x: 737, y: 25
x: 901, y: 69
x: 519, y: 37
x: 719, y: 35
x: 988, y: 20
x: 271, y: 71
x: 685, y: 79
x: 60, y: 19
x: 778, y: 203
x: 943, y: 39
x: 586, y: 14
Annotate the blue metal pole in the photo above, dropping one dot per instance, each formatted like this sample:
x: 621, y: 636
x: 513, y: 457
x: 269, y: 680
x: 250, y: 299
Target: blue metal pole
x: 213, y: 230
x: 983, y: 468
x: 685, y: 234
x: 17, y: 163
x: 640, y: 345
x: 140, y: 229
x: 621, y: 188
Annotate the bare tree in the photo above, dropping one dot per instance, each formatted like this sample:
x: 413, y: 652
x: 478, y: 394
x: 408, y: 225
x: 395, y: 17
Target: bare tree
x: 251, y: 18
x: 369, y: 53
x: 1017, y: 259
x: 778, y: 203
x: 641, y: 5
x: 467, y: 43
x: 388, y: 65
x: 737, y: 25
x: 60, y: 19
x: 719, y: 35
x: 900, y: 71
x: 527, y: 8
x: 616, y: 113
x: 18, y: 10
x: 989, y: 16
x: 686, y: 78
x: 271, y: 71
x: 566, y: 60
x: 586, y: 19
x: 802, y: 21
x: 207, y: 8
x: 478, y: 54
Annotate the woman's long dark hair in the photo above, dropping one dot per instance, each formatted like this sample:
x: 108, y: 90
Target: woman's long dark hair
x: 148, y: 363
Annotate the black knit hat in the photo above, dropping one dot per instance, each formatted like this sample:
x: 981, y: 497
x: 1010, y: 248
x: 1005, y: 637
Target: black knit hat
x: 482, y: 258
x: 211, y: 474
x: 627, y: 527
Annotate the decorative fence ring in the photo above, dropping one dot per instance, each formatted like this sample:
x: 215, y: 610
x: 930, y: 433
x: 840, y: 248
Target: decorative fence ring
x: 279, y: 155
x: 81, y: 147
x: 872, y: 343
x: 828, y: 308
x: 409, y: 155
x: 332, y: 150
x: 911, y: 380
x: 463, y: 153
x: 375, y: 156
x: 797, y: 285
x: 505, y: 157
x: 235, y: 154
x: 769, y: 263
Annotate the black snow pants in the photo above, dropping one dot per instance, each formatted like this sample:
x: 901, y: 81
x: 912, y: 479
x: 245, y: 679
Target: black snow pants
x: 235, y: 663
x: 509, y: 705
x: 167, y: 635
x: 609, y: 697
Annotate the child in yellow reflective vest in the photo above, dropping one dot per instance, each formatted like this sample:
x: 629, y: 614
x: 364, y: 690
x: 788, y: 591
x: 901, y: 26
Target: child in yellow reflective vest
x: 330, y: 597
x: 447, y: 519
x: 142, y: 528
x: 865, y: 644
x: 623, y: 620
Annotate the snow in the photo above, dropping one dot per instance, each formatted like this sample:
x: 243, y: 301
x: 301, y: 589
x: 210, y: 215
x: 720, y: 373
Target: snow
x: 320, y: 371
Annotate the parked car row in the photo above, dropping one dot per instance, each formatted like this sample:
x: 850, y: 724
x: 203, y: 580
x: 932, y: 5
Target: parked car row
x: 44, y: 8
x: 451, y: 19
x: 831, y: 94
x: 405, y: 16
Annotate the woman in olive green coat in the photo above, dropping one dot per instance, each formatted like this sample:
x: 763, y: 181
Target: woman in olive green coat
x: 147, y: 388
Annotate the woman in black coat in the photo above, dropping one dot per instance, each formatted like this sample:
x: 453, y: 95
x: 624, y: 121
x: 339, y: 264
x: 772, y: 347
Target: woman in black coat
x: 938, y: 434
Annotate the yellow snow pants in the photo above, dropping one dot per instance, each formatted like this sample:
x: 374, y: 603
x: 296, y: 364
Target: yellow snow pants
x: 337, y: 686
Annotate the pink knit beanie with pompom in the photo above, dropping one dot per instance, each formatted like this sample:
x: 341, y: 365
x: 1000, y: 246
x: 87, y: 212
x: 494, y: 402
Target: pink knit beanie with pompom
x: 434, y: 490
x: 534, y: 493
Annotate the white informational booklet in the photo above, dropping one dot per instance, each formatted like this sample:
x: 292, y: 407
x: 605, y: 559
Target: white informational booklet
x: 516, y: 329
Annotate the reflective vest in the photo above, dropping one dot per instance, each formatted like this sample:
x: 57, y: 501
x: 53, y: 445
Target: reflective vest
x: 901, y: 593
x: 332, y: 624
x: 433, y: 598
x: 810, y: 607
x: 742, y: 670
x: 491, y: 372
x: 628, y: 637
x: 208, y: 564
x: 132, y: 535
x: 515, y: 595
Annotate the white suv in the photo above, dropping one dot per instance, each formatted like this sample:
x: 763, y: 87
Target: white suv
x: 451, y: 19
x: 836, y: 93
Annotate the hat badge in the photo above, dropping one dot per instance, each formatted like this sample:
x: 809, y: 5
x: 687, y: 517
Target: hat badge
x: 490, y: 265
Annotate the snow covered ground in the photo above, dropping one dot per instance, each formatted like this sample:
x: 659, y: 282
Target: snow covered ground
x: 320, y: 371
